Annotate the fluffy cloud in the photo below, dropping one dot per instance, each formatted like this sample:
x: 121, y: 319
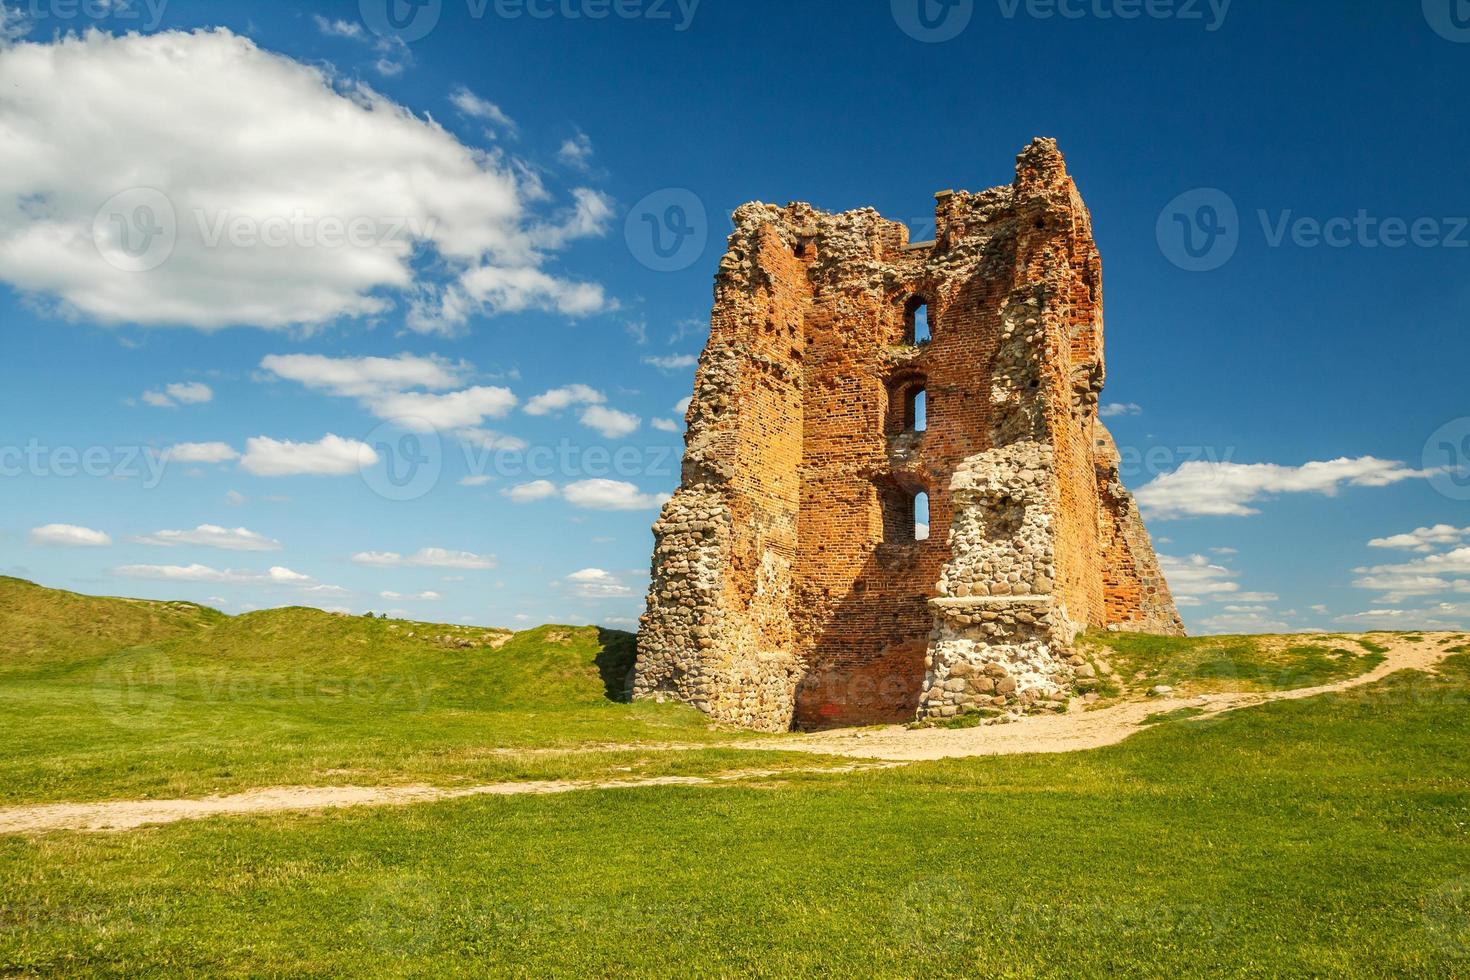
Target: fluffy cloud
x: 69, y: 536
x: 367, y: 377
x: 182, y: 393
x: 577, y: 151
x: 1195, y: 577
x: 1117, y: 409
x: 222, y: 210
x: 1423, y: 539
x: 204, y: 573
x: 1430, y: 575
x: 1205, y: 488
x: 674, y: 362
x: 427, y: 558
x: 201, y: 452
x: 1244, y: 620
x: 558, y: 399
x: 212, y: 536
x: 1445, y: 616
x: 611, y: 495
x: 681, y: 407
x: 455, y: 410
x: 484, y: 110
x: 594, y: 583
x: 610, y: 422
x: 382, y: 386
x: 329, y: 456
x: 525, y: 493
x: 665, y: 425
x: 416, y: 597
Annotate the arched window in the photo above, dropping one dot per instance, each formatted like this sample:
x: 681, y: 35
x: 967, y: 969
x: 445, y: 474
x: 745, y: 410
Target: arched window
x: 905, y: 512
x: 916, y: 322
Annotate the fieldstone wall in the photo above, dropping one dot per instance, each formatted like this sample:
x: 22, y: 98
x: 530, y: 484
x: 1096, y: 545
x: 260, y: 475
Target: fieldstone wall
x: 791, y: 584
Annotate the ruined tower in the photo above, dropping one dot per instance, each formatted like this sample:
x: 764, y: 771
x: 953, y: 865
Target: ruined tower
x: 793, y: 581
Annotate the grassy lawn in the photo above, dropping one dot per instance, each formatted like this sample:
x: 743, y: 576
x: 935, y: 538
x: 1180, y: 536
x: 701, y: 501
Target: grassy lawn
x: 1327, y: 836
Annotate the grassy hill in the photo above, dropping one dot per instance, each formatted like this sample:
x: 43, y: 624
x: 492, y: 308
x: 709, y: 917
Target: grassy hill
x: 104, y: 697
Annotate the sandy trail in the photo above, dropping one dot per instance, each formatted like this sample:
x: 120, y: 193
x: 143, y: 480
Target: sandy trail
x: 113, y: 815
x: 885, y: 748
x: 1079, y: 729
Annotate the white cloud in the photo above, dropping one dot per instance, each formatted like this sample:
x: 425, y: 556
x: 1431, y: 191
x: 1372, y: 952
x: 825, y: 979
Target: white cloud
x: 427, y: 558
x: 367, y: 377
x: 1250, y: 620
x: 236, y: 499
x: 681, y: 407
x: 1205, y: 488
x: 212, y: 536
x: 1443, y: 617
x: 1424, y: 539
x: 610, y: 422
x: 478, y: 480
x: 200, y: 452
x: 673, y: 362
x: 594, y: 583
x: 165, y: 112
x: 665, y: 425
x: 394, y: 52
x: 1430, y: 575
x: 491, y: 441
x: 329, y: 456
x: 484, y: 110
x: 1117, y: 409
x: 1196, y: 578
x: 577, y: 151
x: 611, y: 495
x: 455, y: 410
x: 416, y: 597
x: 525, y: 493
x: 69, y: 536
x: 204, y: 573
x: 181, y: 393
x: 558, y: 399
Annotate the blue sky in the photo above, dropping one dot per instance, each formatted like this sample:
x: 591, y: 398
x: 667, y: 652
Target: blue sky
x: 176, y: 269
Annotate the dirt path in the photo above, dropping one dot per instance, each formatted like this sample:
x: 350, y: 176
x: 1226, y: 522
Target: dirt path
x: 130, y: 814
x: 1079, y: 729
x: 883, y: 747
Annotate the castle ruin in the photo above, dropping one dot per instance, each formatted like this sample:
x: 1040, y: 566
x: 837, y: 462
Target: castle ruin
x: 793, y: 581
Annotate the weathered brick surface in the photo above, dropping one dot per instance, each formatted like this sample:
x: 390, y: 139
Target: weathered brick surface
x: 788, y: 584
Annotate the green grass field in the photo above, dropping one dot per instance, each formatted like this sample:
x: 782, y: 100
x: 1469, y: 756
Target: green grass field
x: 1325, y: 837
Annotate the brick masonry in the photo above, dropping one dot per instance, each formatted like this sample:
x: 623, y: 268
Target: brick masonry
x: 791, y: 585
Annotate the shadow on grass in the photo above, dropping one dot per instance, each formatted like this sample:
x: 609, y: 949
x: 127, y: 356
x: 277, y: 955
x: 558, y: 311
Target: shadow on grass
x: 615, y: 663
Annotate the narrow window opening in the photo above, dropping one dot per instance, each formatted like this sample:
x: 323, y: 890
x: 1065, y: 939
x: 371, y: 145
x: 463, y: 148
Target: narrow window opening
x: 921, y: 517
x: 916, y: 411
x: 916, y: 322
